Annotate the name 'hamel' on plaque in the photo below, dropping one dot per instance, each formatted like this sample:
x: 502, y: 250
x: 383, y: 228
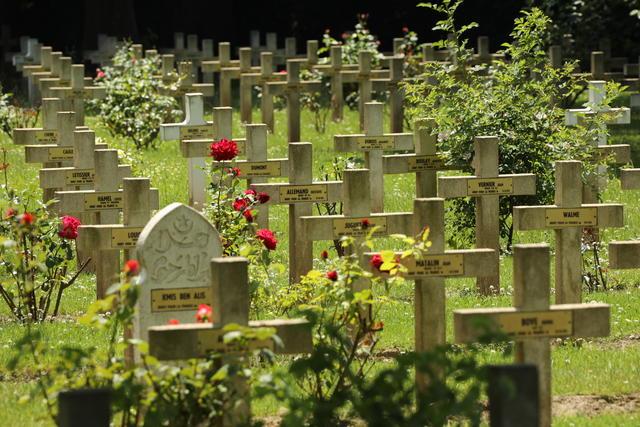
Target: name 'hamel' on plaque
x: 99, y: 201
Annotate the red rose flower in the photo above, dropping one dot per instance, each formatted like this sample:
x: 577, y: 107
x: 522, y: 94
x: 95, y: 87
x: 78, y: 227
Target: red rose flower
x: 173, y: 322
x: 69, y: 229
x: 263, y: 198
x: 268, y: 238
x: 10, y: 213
x: 248, y: 215
x: 100, y: 74
x: 26, y: 218
x: 240, y: 204
x: 365, y: 223
x: 332, y: 275
x: 234, y: 171
x: 204, y: 313
x: 376, y: 261
x: 405, y: 29
x: 224, y: 150
x: 250, y: 192
x: 131, y: 267
x: 324, y: 255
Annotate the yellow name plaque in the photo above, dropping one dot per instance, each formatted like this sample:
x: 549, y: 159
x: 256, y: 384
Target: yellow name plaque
x: 304, y: 193
x: 99, y: 201
x: 571, y: 217
x: 125, y: 238
x: 213, y: 340
x: 359, y: 227
x: 46, y: 136
x: 375, y: 142
x: 257, y: 169
x: 488, y: 186
x: 179, y: 299
x: 426, y: 162
x: 196, y: 132
x: 55, y: 154
x: 79, y: 177
x: 536, y: 324
x: 435, y: 265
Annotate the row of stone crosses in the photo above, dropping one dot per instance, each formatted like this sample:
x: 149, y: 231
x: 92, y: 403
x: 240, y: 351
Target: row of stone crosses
x: 180, y: 250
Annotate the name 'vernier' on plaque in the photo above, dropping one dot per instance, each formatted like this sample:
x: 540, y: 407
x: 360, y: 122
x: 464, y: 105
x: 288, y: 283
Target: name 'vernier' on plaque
x: 125, y: 237
x: 375, y: 142
x: 483, y: 186
x: 355, y: 227
x: 255, y: 169
x: 434, y: 265
x: 536, y: 324
x: 571, y: 217
x: 196, y: 132
x: 46, y: 136
x: 179, y: 299
x: 303, y: 193
x: 60, y: 153
x: 426, y: 162
x: 79, y: 177
x: 112, y: 200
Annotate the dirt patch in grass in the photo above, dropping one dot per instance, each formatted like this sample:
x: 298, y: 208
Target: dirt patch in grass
x: 591, y: 405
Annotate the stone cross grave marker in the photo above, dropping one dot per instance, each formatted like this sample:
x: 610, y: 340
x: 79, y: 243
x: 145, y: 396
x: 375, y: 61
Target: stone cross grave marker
x: 425, y: 162
x: 52, y: 60
x: 250, y: 79
x: 33, y: 90
x: 373, y: 143
x: 568, y: 217
x: 532, y: 321
x: 333, y: 69
x: 487, y: 186
x: 483, y: 53
x: 430, y: 272
x: 626, y: 254
x: 106, y: 49
x: 29, y: 53
x: 229, y: 73
x: 228, y: 287
x: 61, y: 76
x: 106, y: 202
x: 73, y: 96
x: 188, y: 84
x: 48, y: 133
x: 175, y: 249
x: 291, y: 89
x: 213, y: 66
x: 299, y: 194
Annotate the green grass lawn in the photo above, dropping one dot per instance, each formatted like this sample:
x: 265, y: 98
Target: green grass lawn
x: 608, y: 366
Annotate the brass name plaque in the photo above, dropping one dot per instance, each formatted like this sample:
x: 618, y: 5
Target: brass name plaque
x: 79, y: 177
x: 55, y: 154
x: 537, y: 324
x: 196, y: 132
x: 487, y: 186
x: 213, y: 340
x: 426, y: 162
x: 256, y: 169
x: 571, y: 217
x: 375, y: 142
x: 46, y: 136
x: 435, y: 265
x: 179, y: 299
x: 125, y: 238
x: 304, y: 193
x: 359, y: 227
x: 99, y: 201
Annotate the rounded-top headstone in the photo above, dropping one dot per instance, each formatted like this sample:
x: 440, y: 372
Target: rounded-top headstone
x: 174, y: 250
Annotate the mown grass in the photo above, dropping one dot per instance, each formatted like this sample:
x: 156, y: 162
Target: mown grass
x: 606, y: 366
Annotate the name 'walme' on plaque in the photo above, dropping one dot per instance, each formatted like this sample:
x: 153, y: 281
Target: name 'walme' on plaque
x: 125, y: 237
x: 179, y: 299
x: 571, y: 217
x: 434, y: 265
x: 485, y: 186
x: 98, y: 201
x: 355, y: 227
x: 536, y: 324
x: 375, y: 142
x: 303, y: 193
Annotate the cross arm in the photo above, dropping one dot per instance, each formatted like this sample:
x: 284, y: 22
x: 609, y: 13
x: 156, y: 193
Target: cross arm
x: 91, y: 200
x: 630, y: 179
x: 330, y: 227
x: 34, y: 136
x: 69, y: 176
x: 603, y: 215
x: 473, y: 186
x: 191, y: 148
x: 171, y: 131
x: 281, y: 87
x: 215, y: 65
x: 362, y: 142
x: 405, y: 163
x: 620, y: 153
x: 624, y: 254
x: 316, y: 192
x: 107, y: 237
x: 174, y: 342
x: 52, y: 152
x: 253, y: 169
x: 565, y: 320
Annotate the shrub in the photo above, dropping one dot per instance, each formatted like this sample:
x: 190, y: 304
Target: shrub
x: 13, y: 116
x: 136, y: 101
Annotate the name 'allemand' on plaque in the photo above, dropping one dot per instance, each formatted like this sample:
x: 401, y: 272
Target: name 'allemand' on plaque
x: 303, y: 193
